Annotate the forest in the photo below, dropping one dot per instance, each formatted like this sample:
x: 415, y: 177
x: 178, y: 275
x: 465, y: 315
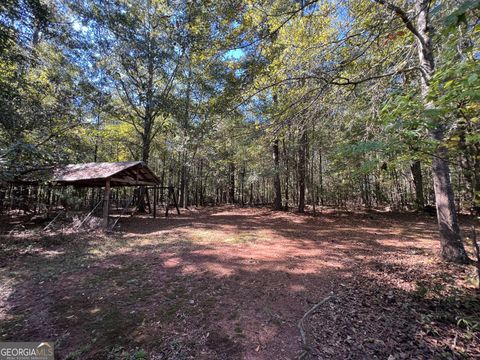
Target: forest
x: 324, y: 158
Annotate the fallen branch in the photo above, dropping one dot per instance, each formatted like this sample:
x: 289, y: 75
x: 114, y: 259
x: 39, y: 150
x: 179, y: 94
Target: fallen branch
x: 302, y: 329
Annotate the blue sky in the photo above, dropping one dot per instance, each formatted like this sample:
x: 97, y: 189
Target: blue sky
x: 234, y: 54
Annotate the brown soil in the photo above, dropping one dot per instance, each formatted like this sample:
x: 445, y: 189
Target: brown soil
x: 232, y: 283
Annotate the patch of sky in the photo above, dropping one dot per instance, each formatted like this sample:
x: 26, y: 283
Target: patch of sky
x: 342, y: 20
x: 239, y: 72
x: 234, y: 54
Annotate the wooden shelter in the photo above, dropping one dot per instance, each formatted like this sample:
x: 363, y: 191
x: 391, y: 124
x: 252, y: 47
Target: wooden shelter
x: 105, y: 174
x: 133, y: 173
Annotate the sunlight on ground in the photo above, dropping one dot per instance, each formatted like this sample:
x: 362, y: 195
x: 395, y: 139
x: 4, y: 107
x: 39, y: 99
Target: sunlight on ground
x: 207, y: 236
x: 240, y: 279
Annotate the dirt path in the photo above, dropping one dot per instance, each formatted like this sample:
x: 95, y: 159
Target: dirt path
x: 233, y: 283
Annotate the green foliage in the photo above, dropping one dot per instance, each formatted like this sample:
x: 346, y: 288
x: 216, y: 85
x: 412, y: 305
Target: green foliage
x: 460, y: 15
x: 41, y: 96
x: 199, y: 88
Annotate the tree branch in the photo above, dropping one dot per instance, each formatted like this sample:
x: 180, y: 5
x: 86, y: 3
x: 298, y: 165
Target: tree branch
x: 404, y: 17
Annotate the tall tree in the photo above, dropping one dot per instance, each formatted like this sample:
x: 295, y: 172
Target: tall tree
x: 302, y: 164
x: 137, y: 46
x: 452, y: 248
x: 277, y: 202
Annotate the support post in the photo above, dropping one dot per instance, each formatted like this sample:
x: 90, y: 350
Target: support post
x: 170, y: 193
x: 106, y: 203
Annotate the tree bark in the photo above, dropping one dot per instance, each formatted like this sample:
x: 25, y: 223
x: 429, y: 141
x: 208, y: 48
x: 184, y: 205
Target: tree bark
x: 106, y: 203
x: 145, y: 157
x: 242, y: 186
x: 231, y: 192
x: 148, y: 118
x: 287, y: 175
x: 183, y: 182
x: 452, y: 248
x: 302, y: 147
x: 277, y: 204
x: 202, y: 201
x: 320, y: 173
x: 416, y: 169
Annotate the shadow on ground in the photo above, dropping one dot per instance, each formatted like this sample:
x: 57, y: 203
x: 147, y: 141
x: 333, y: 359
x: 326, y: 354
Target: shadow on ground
x: 233, y: 283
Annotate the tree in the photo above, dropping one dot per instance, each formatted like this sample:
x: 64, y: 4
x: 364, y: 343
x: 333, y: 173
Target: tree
x: 42, y: 93
x: 302, y: 160
x: 300, y: 102
x: 277, y: 203
x: 136, y: 45
x: 451, y: 242
x: 344, y: 69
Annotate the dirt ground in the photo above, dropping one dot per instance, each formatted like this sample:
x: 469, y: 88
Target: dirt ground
x: 233, y: 283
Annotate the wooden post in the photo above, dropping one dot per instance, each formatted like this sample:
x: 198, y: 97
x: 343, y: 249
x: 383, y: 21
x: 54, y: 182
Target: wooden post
x: 170, y: 193
x: 106, y: 203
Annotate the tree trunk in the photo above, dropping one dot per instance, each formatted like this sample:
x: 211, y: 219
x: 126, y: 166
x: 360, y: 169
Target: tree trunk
x: 231, y: 192
x: 242, y: 186
x: 320, y: 172
x: 162, y: 180
x: 301, y: 171
x: 106, y: 203
x: 452, y: 248
x: 250, y: 202
x: 186, y: 126
x: 202, y: 202
x: 145, y: 157
x: 277, y: 204
x: 287, y: 175
x: 183, y: 184
x: 416, y: 169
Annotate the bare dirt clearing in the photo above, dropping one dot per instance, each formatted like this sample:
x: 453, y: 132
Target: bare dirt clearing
x: 232, y: 283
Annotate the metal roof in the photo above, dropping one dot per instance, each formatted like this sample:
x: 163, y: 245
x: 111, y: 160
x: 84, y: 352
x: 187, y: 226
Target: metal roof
x: 131, y: 173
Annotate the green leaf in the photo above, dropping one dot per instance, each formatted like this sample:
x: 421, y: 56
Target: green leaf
x: 472, y: 78
x: 448, y: 84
